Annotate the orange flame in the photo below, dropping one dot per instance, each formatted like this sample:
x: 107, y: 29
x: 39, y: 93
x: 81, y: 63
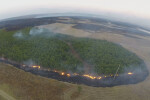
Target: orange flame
x: 62, y: 73
x: 91, y: 77
x: 55, y: 71
x: 130, y: 73
x: 36, y: 67
x: 99, y: 77
x: 111, y: 75
x: 68, y: 75
x: 85, y: 75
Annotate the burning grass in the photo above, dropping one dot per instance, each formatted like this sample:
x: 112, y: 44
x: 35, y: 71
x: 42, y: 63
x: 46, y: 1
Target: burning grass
x: 78, y: 60
x: 96, y: 81
x: 74, y: 74
x: 119, y: 92
x: 88, y: 57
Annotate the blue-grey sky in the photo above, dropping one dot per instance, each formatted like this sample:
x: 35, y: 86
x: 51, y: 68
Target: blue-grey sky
x: 12, y: 8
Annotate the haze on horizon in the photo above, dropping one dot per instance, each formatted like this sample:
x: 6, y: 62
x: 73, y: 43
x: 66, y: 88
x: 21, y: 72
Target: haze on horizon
x: 131, y: 10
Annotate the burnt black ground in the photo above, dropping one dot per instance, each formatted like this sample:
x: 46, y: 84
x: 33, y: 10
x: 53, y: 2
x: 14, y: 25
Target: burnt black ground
x: 127, y: 28
x: 123, y: 79
x: 104, y: 82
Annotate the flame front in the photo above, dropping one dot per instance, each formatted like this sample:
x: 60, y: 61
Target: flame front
x: 36, y: 67
x: 130, y: 73
x: 85, y: 75
x: 75, y: 74
x: 91, y: 77
x: 99, y: 77
x: 68, y: 75
x: 62, y: 73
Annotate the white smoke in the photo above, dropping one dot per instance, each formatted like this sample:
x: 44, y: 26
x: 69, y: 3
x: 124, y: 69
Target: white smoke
x: 36, y: 31
x: 18, y: 35
x: 29, y: 62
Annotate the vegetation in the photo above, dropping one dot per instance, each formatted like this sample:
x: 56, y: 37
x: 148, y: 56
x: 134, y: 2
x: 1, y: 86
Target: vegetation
x: 47, y: 52
x: 77, y: 93
x: 2, y: 98
x: 107, y: 56
x: 53, y: 50
x: 79, y: 89
x: 25, y: 86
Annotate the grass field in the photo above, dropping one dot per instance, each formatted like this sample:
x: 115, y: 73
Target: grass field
x: 25, y: 86
x: 5, y: 96
x: 31, y: 87
x: 2, y: 98
x: 67, y: 53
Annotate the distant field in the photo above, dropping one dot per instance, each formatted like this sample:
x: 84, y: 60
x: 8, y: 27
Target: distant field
x: 26, y: 86
x: 66, y: 53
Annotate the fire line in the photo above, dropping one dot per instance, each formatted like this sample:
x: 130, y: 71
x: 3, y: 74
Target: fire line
x: 84, y: 75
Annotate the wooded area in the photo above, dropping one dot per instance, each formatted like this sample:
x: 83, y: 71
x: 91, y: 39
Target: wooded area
x: 52, y: 51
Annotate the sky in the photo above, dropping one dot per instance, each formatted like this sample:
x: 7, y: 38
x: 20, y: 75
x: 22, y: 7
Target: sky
x: 11, y: 8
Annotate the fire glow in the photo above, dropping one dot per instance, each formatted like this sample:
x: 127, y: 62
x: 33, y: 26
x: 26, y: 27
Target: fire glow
x: 62, y: 73
x: 36, y: 67
x: 68, y: 75
x: 130, y: 73
x: 84, y: 75
x: 87, y: 79
x: 91, y: 77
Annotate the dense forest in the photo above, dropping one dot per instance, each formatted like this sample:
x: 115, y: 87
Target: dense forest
x: 66, y: 53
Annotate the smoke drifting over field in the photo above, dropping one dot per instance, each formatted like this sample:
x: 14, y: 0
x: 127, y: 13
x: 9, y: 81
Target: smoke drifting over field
x: 18, y: 35
x: 89, y: 77
x: 36, y: 31
x: 29, y: 62
x: 45, y: 40
x: 108, y: 81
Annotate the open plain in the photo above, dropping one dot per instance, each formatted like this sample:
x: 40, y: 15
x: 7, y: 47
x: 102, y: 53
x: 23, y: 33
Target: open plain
x: 26, y: 86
